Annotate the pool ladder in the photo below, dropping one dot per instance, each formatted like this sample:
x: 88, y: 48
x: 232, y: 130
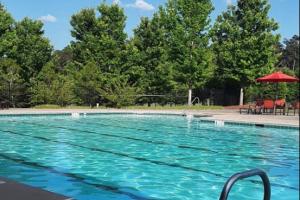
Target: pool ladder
x: 238, y: 176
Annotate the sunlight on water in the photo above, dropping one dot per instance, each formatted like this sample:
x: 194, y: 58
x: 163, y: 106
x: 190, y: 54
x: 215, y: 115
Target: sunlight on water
x: 129, y: 156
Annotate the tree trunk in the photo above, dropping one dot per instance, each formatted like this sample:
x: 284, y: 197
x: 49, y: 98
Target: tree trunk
x: 242, y: 97
x: 294, y: 64
x: 190, y: 97
x: 9, y: 93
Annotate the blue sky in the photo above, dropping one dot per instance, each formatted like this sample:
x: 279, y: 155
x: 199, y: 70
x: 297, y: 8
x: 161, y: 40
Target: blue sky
x: 56, y: 14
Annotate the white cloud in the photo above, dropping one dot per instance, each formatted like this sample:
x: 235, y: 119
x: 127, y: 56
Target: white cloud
x: 118, y: 2
x: 141, y: 4
x: 229, y: 2
x: 48, y: 18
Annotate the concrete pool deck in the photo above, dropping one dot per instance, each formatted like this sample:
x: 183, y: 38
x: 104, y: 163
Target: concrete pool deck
x: 11, y: 190
x: 227, y: 115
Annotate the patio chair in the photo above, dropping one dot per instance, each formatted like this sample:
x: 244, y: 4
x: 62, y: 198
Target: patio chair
x: 294, y: 106
x: 280, y: 104
x: 254, y: 108
x: 4, y: 105
x: 268, y: 106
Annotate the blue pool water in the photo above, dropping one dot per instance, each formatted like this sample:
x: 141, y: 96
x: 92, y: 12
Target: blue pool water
x: 128, y: 156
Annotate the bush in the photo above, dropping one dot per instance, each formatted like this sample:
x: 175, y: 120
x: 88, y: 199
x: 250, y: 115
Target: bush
x: 118, y: 92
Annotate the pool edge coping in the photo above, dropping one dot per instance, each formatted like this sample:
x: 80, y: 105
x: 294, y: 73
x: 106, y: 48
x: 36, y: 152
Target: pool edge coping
x: 202, y: 117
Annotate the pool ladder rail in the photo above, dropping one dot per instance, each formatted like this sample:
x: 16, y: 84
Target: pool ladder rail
x: 238, y: 176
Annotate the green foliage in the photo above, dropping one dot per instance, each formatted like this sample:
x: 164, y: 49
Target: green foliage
x: 187, y: 21
x: 173, y: 51
x: 87, y: 83
x: 267, y: 91
x: 157, y: 72
x: 118, y: 91
x: 99, y: 39
x: 33, y: 49
x: 292, y: 89
x: 132, y: 66
x: 11, y: 83
x: 7, y: 33
x: 24, y: 44
x: 50, y: 87
x: 244, y: 43
x: 173, y: 47
x: 290, y: 54
x: 288, y: 91
x: 62, y: 58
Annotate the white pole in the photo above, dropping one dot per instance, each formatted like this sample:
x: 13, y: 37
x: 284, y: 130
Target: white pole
x: 190, y: 97
x: 242, y: 97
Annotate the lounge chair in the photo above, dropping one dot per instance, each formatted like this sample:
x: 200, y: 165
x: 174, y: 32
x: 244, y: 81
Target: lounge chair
x: 280, y: 104
x: 294, y: 106
x: 268, y: 106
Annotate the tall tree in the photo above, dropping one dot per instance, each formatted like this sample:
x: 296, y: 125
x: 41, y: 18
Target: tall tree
x: 87, y: 83
x: 118, y: 91
x: 187, y: 21
x: 150, y: 40
x: 100, y: 48
x: 62, y: 58
x: 84, y: 31
x: 7, y: 33
x: 52, y: 86
x: 33, y: 49
x: 290, y: 54
x: 100, y: 39
x: 11, y: 83
x: 244, y: 43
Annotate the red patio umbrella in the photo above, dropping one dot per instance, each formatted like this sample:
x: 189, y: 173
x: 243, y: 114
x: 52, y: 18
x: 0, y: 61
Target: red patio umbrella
x: 277, y: 77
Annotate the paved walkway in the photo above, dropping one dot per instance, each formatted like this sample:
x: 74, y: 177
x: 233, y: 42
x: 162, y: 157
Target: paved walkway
x: 225, y: 115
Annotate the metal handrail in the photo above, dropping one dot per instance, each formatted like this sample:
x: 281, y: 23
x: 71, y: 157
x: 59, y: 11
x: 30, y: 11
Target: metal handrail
x: 196, y: 98
x: 238, y: 176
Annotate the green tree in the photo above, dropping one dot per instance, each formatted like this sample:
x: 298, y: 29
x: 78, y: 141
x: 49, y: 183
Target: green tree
x: 7, y: 33
x: 101, y: 51
x: 52, y: 87
x: 100, y: 39
x: 244, y: 43
x: 118, y: 91
x: 187, y: 21
x: 150, y: 41
x: 290, y: 54
x: 62, y: 58
x: 133, y: 65
x: 41, y: 85
x: 87, y: 83
x: 84, y: 27
x: 33, y: 49
x: 11, y: 83
x: 62, y: 91
x: 24, y: 43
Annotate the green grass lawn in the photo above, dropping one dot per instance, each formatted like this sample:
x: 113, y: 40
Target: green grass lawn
x: 177, y: 107
x: 145, y: 107
x: 53, y: 106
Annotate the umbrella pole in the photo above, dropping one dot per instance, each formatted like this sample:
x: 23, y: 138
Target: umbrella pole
x: 276, y: 97
x: 277, y: 87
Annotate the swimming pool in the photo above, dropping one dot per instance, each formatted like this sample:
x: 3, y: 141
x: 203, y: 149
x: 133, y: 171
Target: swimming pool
x: 129, y: 156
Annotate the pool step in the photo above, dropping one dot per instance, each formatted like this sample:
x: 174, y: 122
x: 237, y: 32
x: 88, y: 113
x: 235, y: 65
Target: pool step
x: 11, y: 190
